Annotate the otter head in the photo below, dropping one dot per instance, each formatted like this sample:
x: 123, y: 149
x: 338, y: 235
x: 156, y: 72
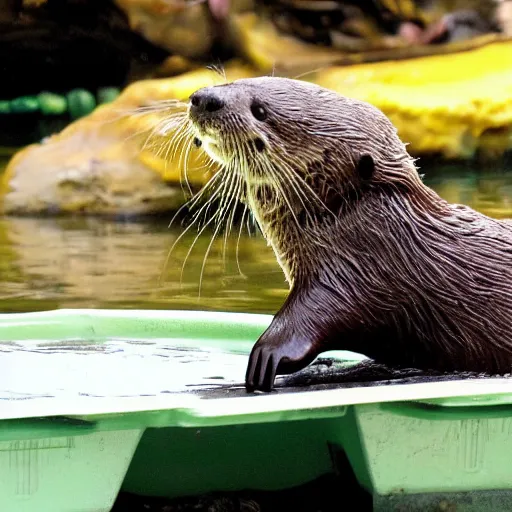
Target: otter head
x: 301, y: 150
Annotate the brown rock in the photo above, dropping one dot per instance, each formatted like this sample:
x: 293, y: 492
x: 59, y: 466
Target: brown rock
x: 180, y: 27
x: 189, y: 29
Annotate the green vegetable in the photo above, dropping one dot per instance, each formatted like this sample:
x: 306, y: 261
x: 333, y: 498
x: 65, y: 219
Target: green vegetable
x: 24, y: 105
x: 52, y: 104
x: 80, y: 103
x: 5, y: 107
x: 107, y: 94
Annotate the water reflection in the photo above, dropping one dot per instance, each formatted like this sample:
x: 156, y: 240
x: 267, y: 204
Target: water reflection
x: 93, y: 263
x: 48, y: 263
x: 489, y: 192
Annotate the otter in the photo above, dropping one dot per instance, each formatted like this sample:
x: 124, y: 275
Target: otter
x: 377, y: 263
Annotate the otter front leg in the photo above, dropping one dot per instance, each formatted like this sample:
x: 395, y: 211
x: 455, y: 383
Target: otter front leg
x: 290, y: 343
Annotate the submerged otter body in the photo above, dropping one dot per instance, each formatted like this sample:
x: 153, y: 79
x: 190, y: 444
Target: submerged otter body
x: 377, y: 262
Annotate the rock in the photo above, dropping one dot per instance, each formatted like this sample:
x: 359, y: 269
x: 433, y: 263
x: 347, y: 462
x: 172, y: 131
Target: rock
x: 102, y: 163
x: 180, y: 27
x: 188, y: 29
x: 260, y: 42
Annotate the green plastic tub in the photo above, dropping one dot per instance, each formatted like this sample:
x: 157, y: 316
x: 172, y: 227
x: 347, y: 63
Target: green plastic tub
x: 93, y: 402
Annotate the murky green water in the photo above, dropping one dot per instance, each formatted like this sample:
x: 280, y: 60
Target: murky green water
x: 93, y: 263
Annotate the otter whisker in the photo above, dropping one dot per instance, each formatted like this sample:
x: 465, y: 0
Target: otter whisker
x: 199, y: 233
x: 195, y: 218
x: 209, y: 168
x: 156, y: 131
x: 235, y: 194
x: 302, y: 184
x: 217, y: 191
x: 276, y: 182
x: 237, y: 249
x: 248, y: 226
x: 219, y: 225
x: 169, y: 122
x: 226, y: 201
x: 184, y: 175
x: 181, y: 141
x: 164, y: 106
x: 153, y: 131
x: 239, y: 185
x: 206, y: 167
x: 182, y: 132
x: 192, y: 202
x: 224, y: 171
x: 165, y: 121
x: 155, y: 107
x: 252, y: 220
x: 219, y: 69
x: 292, y: 182
x: 179, y: 136
x: 310, y: 72
x: 218, y: 217
x: 243, y: 171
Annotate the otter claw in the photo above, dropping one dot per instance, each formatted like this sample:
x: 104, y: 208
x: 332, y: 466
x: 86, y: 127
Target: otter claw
x: 254, y: 360
x: 262, y: 370
x: 268, y: 373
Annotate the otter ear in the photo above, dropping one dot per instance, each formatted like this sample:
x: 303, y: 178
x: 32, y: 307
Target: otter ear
x: 365, y: 167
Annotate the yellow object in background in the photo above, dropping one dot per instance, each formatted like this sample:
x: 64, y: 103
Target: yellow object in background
x: 447, y: 104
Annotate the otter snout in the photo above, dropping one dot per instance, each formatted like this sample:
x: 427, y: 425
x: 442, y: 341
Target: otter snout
x: 205, y: 101
x: 229, y: 116
x: 205, y: 112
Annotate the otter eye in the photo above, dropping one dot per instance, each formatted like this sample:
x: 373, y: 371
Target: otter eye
x: 258, y: 111
x: 259, y: 145
x: 366, y: 166
x: 197, y: 142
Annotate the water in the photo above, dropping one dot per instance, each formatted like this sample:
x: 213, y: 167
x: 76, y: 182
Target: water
x: 93, y: 263
x: 169, y: 366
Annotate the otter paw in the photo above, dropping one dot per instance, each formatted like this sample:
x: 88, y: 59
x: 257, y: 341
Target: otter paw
x: 266, y: 359
x: 262, y: 369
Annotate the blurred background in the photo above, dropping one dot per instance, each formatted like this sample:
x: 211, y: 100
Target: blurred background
x: 86, y: 202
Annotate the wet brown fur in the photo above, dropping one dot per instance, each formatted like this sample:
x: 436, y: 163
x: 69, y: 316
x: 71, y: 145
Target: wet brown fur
x: 377, y: 262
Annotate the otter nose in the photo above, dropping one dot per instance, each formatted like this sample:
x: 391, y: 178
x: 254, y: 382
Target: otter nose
x: 205, y: 100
